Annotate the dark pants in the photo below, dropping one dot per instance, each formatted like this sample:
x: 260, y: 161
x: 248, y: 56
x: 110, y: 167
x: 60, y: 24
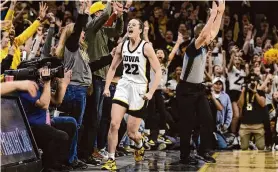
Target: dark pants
x: 106, y: 118
x: 62, y: 123
x: 54, y: 142
x: 91, y: 119
x: 192, y: 102
x: 74, y: 102
x: 157, y: 121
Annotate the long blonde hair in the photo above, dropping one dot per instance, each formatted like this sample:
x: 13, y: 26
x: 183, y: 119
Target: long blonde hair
x: 62, y: 41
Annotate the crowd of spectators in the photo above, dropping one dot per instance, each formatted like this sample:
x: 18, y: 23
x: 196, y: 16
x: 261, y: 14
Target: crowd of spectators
x: 242, y: 87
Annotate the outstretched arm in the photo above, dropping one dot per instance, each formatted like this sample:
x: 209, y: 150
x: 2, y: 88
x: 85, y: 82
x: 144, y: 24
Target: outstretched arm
x: 211, y: 29
x: 217, y: 22
x: 205, y: 35
x: 175, y: 49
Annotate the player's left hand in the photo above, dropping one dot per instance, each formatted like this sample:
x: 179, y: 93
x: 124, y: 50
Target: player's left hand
x: 148, y: 96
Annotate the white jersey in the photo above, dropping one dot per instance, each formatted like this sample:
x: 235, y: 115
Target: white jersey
x: 136, y: 64
x: 236, y: 79
x: 164, y: 78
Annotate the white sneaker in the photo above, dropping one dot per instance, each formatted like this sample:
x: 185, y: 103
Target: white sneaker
x: 276, y: 147
x: 104, y: 154
x: 252, y: 146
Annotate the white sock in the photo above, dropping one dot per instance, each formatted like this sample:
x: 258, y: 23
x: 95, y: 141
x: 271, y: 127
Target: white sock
x: 147, y: 132
x: 111, y: 156
x: 139, y: 145
x: 162, y: 132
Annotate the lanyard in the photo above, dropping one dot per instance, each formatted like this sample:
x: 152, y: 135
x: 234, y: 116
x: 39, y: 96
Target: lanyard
x: 247, y: 98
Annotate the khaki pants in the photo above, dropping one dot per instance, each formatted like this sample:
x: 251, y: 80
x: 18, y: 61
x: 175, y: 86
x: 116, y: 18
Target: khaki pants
x: 245, y: 132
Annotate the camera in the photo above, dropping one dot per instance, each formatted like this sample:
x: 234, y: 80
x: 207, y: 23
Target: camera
x: 251, y: 79
x: 29, y: 70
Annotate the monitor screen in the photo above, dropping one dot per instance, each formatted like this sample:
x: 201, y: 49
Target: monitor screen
x: 16, y: 144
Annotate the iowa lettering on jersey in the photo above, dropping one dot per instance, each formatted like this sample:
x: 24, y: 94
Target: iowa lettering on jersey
x: 131, y: 58
x: 131, y: 68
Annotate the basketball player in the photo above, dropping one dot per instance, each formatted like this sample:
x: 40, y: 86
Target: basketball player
x: 236, y: 79
x: 132, y: 93
x: 191, y: 96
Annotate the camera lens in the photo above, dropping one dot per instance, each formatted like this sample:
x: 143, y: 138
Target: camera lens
x: 252, y: 85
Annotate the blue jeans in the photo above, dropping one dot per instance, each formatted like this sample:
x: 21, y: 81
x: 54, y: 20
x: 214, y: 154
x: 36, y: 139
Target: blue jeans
x: 73, y: 145
x: 74, y: 102
x: 221, y: 142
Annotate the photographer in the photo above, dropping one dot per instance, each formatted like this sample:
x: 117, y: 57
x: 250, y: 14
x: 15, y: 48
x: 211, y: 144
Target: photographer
x: 252, y: 103
x: 54, y: 140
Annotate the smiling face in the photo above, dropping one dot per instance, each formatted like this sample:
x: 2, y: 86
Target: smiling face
x: 160, y: 55
x: 182, y: 29
x: 134, y: 28
x: 5, y: 39
x: 218, y: 70
x: 218, y: 86
x: 259, y: 42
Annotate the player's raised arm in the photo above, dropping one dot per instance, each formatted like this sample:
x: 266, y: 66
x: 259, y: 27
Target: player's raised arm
x: 149, y: 52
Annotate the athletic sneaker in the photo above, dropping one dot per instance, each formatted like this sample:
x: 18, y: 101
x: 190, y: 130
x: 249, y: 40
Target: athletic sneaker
x: 77, y: 164
x: 252, y: 146
x: 163, y: 139
x: 162, y: 146
x: 97, y: 155
x: 206, y: 157
x: 121, y: 149
x: 119, y: 153
x: 92, y: 160
x: 104, y: 154
x: 151, y: 142
x: 139, y: 154
x: 129, y: 149
x: 110, y: 165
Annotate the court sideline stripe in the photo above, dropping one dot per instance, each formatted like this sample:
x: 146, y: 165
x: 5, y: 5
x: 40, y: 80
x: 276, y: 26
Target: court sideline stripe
x: 206, y: 165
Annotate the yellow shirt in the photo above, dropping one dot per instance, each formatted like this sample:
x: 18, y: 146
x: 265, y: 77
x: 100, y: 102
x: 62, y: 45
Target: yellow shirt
x: 18, y: 41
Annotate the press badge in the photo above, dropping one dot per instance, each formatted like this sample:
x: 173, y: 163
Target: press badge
x: 249, y: 107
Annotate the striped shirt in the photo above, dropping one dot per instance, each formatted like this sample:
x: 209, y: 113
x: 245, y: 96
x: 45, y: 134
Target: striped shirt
x: 194, y: 64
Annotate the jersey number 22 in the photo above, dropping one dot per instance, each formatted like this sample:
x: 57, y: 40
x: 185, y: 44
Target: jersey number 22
x: 132, y: 69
